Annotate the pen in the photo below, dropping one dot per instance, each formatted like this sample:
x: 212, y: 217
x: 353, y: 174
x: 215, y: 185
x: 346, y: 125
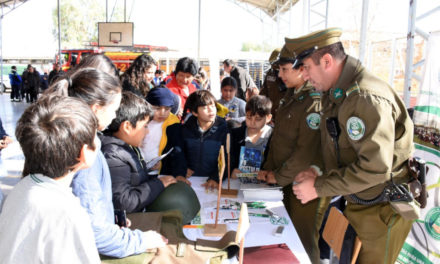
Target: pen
x: 259, y: 215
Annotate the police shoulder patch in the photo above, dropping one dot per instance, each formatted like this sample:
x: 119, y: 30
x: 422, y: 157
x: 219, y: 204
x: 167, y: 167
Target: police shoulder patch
x: 313, y: 120
x: 355, y: 128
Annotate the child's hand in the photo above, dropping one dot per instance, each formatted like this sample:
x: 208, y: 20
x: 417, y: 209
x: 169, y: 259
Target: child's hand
x: 189, y: 173
x: 210, y: 184
x: 234, y: 173
x: 183, y: 179
x: 3, y: 144
x: 156, y: 167
x: 8, y: 140
x: 167, y: 180
x: 154, y: 240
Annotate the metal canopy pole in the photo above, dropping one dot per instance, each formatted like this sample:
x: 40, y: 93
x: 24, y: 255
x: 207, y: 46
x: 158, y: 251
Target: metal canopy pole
x: 59, y: 33
x: 363, y: 36
x: 1, y: 50
x: 409, y: 52
x: 198, y: 33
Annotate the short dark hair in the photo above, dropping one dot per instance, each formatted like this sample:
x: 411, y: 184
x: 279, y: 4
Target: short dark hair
x: 229, y: 81
x: 336, y: 50
x: 158, y: 71
x: 135, y: 73
x: 100, y: 62
x: 187, y: 65
x: 228, y: 62
x: 133, y: 108
x: 52, y: 132
x: 197, y: 99
x: 259, y: 104
x: 91, y: 85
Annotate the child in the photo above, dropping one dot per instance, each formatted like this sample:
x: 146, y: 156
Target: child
x: 102, y: 93
x: 155, y: 141
x: 133, y: 189
x: 235, y: 105
x: 252, y: 137
x: 197, y: 142
x: 42, y: 221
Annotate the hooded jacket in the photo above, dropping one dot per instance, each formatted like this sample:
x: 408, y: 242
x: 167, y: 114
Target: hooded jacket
x: 133, y: 189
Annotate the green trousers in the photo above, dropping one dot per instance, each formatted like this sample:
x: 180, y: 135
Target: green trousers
x: 307, y: 219
x: 381, y: 231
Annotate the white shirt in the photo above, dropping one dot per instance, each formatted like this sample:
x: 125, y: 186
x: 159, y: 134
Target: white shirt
x: 43, y: 222
x: 150, y: 145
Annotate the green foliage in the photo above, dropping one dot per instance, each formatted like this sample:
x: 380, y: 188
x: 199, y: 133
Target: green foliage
x: 79, y: 21
x: 249, y: 46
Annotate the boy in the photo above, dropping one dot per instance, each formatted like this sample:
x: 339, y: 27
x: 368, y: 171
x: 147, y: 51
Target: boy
x: 236, y: 106
x: 42, y: 221
x: 155, y: 141
x: 133, y: 188
x: 253, y: 136
x: 197, y: 142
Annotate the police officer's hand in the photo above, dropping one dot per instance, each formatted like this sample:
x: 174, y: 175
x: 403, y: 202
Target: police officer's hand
x: 309, y: 173
x: 154, y: 240
x: 262, y: 175
x: 210, y: 185
x: 267, y: 176
x: 183, y: 179
x: 167, y: 180
x: 305, y: 191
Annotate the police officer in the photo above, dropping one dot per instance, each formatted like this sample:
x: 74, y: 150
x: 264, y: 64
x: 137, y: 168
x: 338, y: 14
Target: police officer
x: 273, y: 86
x: 295, y: 146
x: 366, y: 137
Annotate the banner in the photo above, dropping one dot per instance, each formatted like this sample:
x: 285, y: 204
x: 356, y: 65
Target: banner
x: 423, y: 242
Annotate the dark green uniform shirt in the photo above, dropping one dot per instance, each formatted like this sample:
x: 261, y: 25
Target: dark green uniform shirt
x: 295, y: 143
x: 376, y: 135
x: 274, y: 89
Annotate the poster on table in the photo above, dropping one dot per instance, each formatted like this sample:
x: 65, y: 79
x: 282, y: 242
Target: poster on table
x: 423, y: 243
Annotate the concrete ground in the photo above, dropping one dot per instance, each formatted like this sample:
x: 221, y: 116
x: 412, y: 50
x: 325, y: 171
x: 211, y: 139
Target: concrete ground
x: 11, y: 158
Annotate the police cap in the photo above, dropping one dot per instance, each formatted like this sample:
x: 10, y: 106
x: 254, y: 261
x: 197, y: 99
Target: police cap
x: 178, y: 196
x: 304, y: 46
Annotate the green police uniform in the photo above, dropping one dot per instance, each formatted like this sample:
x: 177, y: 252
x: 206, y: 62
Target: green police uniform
x: 375, y: 140
x: 295, y: 146
x: 273, y: 87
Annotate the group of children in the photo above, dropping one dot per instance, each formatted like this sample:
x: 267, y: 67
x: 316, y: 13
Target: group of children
x: 75, y: 176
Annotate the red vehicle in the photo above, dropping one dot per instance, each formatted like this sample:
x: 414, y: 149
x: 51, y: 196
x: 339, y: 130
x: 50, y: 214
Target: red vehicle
x: 122, y: 58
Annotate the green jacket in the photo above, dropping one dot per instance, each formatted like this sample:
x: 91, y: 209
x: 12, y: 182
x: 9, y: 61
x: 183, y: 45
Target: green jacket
x: 295, y: 143
x: 274, y: 89
x: 376, y: 135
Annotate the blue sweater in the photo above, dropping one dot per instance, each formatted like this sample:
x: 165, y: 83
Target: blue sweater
x: 94, y: 189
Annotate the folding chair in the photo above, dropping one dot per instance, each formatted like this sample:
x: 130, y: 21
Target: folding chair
x: 334, y: 233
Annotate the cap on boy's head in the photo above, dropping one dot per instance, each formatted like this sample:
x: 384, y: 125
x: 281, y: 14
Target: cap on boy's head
x: 274, y: 57
x: 304, y: 46
x: 160, y: 96
x: 14, y: 68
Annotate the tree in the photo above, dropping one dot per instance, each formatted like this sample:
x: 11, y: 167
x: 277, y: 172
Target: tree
x: 79, y: 21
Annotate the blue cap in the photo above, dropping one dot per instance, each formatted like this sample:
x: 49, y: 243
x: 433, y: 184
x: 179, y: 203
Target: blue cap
x: 160, y: 96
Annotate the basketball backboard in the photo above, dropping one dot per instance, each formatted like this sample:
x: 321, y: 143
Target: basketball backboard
x: 115, y: 34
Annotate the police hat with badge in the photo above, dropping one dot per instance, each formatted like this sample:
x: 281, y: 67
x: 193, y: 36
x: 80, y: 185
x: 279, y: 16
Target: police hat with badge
x: 304, y: 46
